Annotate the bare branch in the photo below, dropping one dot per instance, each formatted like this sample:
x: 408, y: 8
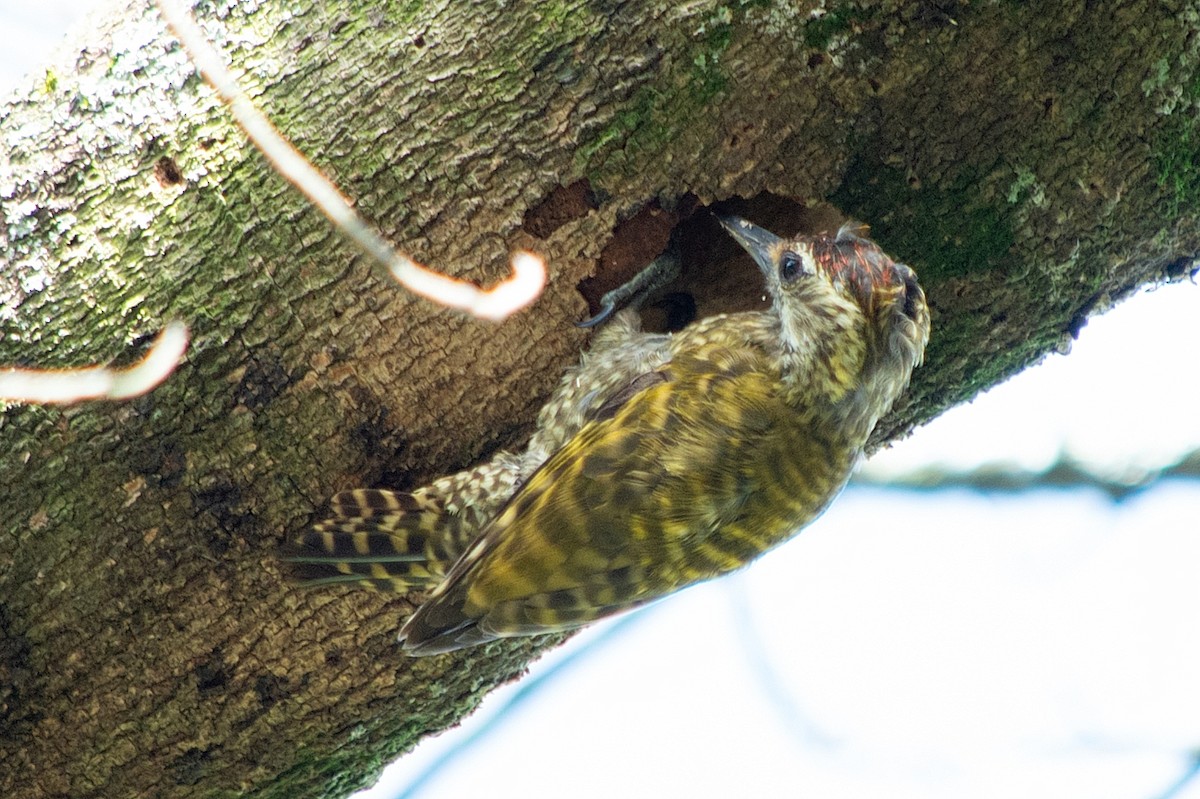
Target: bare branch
x: 1188, y: 777
x: 64, y: 386
x: 1065, y: 473
x: 495, y: 304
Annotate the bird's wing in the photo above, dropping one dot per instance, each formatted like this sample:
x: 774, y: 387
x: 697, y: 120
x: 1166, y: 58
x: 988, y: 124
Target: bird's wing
x: 640, y: 502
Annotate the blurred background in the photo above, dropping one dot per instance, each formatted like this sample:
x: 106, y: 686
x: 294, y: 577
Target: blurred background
x: 1004, y: 604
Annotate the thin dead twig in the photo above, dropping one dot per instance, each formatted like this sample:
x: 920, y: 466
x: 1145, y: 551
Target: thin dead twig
x: 495, y: 304
x: 64, y: 386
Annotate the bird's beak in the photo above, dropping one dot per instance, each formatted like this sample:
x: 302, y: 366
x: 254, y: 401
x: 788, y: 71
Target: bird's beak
x: 763, y: 245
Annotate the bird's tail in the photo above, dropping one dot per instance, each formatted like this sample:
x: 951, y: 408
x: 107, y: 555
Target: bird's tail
x: 381, y: 539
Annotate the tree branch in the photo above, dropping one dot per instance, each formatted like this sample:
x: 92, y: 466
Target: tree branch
x: 1032, y: 161
x: 495, y: 304
x: 1065, y: 473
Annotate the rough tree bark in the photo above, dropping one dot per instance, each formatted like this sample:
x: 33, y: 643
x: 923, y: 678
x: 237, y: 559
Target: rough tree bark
x: 1033, y: 161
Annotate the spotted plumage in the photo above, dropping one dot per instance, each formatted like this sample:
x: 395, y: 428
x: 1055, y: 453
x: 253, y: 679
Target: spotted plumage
x: 661, y: 461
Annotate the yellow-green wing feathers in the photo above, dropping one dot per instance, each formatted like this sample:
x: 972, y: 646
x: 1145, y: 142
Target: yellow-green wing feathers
x: 684, y: 481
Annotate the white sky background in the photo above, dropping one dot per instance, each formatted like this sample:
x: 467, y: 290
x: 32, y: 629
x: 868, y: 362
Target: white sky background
x: 906, y: 645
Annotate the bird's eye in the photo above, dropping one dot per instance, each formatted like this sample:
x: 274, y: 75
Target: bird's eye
x: 790, y: 267
x: 912, y: 293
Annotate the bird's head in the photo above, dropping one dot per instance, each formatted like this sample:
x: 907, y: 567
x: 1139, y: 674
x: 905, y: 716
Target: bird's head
x: 853, y: 322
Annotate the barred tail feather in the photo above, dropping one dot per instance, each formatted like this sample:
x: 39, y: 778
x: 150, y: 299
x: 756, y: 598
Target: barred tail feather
x: 381, y: 539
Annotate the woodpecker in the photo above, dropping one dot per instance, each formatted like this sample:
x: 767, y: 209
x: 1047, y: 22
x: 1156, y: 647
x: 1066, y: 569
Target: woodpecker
x: 662, y: 460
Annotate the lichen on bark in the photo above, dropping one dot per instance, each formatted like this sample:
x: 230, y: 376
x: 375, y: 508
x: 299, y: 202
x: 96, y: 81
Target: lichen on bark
x: 1019, y: 155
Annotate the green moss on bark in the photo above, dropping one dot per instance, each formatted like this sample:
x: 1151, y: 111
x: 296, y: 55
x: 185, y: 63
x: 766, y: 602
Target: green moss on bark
x: 943, y: 232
